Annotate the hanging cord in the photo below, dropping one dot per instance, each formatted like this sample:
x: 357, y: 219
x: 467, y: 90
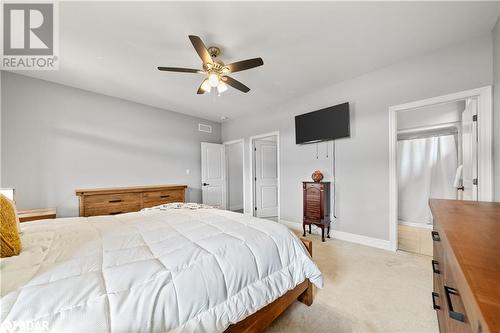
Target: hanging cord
x: 327, y: 149
x: 317, y: 153
x: 334, y: 182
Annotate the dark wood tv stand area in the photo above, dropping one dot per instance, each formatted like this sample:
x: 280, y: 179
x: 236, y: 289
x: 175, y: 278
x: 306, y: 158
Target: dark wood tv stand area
x: 316, y: 207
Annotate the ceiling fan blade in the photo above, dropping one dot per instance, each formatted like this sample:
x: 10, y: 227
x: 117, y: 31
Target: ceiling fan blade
x: 245, y: 64
x: 235, y: 84
x: 178, y: 69
x: 200, y: 91
x: 201, y: 49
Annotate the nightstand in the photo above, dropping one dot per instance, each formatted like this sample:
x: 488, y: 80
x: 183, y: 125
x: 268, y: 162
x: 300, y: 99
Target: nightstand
x: 36, y: 214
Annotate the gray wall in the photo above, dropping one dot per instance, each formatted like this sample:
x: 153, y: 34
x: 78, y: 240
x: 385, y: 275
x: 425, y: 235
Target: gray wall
x: 496, y: 107
x: 0, y: 130
x: 57, y: 138
x: 362, y: 167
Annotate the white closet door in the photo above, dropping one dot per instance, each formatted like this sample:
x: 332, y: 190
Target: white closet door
x: 266, y: 178
x: 469, y: 150
x: 213, y: 174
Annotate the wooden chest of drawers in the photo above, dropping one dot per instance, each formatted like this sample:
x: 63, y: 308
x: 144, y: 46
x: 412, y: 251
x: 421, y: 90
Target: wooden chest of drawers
x: 316, y: 206
x: 111, y: 201
x: 466, y: 265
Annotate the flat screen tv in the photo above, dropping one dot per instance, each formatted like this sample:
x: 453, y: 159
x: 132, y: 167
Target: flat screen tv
x: 323, y: 125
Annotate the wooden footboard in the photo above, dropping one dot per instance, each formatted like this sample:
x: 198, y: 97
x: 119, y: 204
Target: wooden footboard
x: 307, y: 296
x: 265, y: 316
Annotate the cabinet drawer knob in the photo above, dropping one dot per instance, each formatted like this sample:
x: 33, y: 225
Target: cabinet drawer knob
x: 435, y: 267
x: 435, y: 236
x: 434, y: 305
x: 164, y: 196
x: 452, y: 313
x: 116, y: 200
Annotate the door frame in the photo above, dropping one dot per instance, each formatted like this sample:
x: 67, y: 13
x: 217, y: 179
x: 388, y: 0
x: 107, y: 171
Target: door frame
x: 252, y: 169
x: 226, y: 143
x: 485, y: 152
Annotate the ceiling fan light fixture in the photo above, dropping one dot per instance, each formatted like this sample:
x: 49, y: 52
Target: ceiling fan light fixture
x: 213, y: 79
x: 221, y: 87
x: 214, y: 70
x: 205, y: 86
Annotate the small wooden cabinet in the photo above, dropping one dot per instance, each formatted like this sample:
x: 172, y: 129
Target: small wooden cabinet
x: 466, y: 270
x: 36, y: 214
x: 112, y: 201
x: 316, y: 200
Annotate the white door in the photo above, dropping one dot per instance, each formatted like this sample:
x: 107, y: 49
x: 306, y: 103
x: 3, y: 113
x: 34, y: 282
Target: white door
x: 469, y: 150
x: 213, y: 177
x: 266, y: 178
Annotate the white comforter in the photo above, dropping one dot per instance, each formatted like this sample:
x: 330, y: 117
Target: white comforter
x: 176, y: 270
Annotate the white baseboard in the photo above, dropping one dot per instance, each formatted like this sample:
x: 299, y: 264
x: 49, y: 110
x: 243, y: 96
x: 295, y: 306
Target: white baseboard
x: 291, y: 225
x: 235, y: 207
x: 363, y: 240
x: 348, y: 237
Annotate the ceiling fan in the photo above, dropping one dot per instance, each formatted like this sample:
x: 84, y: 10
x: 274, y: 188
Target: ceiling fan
x: 215, y: 71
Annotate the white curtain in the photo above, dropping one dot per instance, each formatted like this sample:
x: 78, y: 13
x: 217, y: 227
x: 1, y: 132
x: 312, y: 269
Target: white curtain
x: 426, y: 169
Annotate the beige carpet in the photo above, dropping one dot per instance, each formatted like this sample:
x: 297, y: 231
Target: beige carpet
x: 366, y: 290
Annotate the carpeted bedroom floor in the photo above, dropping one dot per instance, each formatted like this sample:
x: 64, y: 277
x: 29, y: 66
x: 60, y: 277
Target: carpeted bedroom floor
x: 366, y: 290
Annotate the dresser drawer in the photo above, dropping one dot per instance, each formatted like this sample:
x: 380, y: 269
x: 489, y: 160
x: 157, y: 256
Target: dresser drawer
x: 458, y: 321
x: 112, y: 199
x: 313, y: 193
x: 112, y: 210
x: 150, y: 199
x: 439, y: 303
x: 110, y: 204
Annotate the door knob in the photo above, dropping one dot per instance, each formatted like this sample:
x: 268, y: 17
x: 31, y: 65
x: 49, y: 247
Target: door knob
x: 205, y: 184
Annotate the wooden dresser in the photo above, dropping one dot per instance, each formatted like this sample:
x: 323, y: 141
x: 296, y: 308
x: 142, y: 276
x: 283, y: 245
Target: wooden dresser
x: 466, y: 265
x: 316, y: 206
x: 112, y: 201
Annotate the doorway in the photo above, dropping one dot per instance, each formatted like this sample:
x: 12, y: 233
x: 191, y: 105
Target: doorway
x: 235, y: 175
x: 222, y: 175
x: 430, y: 155
x: 439, y: 148
x: 264, y: 150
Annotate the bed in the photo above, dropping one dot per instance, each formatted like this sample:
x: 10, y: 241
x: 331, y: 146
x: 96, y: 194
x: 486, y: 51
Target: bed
x: 158, y: 270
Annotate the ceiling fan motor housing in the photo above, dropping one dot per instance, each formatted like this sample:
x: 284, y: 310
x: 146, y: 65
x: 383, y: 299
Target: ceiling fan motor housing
x: 214, y: 51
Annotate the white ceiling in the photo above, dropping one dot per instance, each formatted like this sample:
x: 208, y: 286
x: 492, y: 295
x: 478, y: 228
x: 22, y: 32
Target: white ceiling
x: 114, y: 48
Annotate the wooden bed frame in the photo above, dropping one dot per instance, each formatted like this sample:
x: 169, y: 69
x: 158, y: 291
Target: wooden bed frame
x: 265, y: 316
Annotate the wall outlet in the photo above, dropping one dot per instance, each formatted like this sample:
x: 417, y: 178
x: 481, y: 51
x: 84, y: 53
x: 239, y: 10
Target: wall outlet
x: 188, y: 171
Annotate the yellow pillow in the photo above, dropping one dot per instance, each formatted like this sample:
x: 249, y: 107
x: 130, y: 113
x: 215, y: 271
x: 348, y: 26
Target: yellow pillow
x: 9, y: 234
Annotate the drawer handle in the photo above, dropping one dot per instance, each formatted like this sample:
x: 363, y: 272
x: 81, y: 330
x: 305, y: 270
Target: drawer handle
x: 164, y: 196
x: 116, y: 200
x: 434, y: 305
x: 115, y: 213
x: 435, y: 267
x: 453, y: 314
x: 435, y: 236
